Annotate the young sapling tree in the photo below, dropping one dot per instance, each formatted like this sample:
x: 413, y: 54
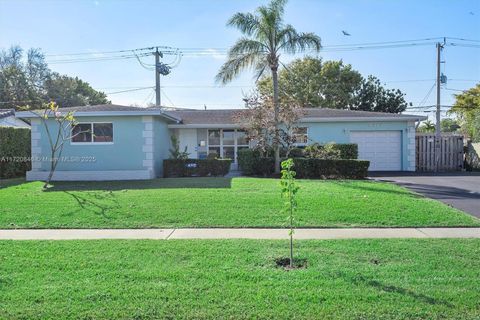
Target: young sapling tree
x: 289, y: 190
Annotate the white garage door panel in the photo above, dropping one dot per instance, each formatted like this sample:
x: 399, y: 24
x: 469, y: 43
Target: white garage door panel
x: 382, y: 148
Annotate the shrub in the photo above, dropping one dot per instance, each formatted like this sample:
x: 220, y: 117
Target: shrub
x: 15, y: 152
x: 331, y: 151
x: 195, y: 167
x: 252, y: 163
x: 331, y: 169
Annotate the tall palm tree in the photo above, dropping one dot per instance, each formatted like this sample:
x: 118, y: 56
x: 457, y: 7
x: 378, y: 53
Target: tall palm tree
x: 265, y: 37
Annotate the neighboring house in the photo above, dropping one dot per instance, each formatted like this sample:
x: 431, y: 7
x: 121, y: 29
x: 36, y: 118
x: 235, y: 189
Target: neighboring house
x: 8, y: 119
x: 131, y: 142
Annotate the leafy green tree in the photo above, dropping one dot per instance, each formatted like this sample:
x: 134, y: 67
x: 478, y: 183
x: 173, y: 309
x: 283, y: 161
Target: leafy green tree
x: 427, y: 126
x: 30, y: 81
x: 69, y: 92
x: 449, y: 125
x: 21, y: 82
x: 314, y: 83
x: 467, y: 109
x: 266, y: 36
x: 372, y: 96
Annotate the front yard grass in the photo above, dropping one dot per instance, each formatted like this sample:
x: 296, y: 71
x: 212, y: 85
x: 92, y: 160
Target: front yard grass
x: 237, y: 279
x: 218, y: 202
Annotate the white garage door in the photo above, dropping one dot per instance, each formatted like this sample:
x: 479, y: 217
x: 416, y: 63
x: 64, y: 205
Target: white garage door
x: 382, y: 148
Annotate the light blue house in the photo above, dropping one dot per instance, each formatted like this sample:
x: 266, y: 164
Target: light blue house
x: 131, y: 143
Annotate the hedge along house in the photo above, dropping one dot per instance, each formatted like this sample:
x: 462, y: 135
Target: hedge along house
x: 131, y: 143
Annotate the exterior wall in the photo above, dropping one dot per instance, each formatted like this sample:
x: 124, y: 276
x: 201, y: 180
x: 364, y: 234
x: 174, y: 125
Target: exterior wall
x: 188, y: 138
x: 125, y: 158
x: 161, y: 143
x: 339, y: 132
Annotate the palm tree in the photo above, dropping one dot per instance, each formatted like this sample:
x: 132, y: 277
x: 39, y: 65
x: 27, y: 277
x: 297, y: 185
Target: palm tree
x: 265, y: 37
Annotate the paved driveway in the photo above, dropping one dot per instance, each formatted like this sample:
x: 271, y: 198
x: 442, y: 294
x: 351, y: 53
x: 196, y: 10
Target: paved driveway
x: 460, y: 190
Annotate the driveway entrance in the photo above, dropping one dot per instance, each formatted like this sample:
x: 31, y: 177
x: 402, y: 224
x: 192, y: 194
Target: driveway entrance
x: 459, y: 189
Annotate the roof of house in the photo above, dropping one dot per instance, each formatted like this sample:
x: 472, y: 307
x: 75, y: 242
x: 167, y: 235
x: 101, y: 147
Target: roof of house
x: 212, y: 117
x: 6, y: 113
x: 227, y: 116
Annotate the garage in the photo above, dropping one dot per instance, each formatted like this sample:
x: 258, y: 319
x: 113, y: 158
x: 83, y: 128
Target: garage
x: 382, y: 148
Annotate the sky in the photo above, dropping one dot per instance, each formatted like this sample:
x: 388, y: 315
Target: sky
x: 95, y: 26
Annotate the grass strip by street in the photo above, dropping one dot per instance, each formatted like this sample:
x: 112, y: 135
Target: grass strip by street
x: 206, y: 279
x: 218, y: 202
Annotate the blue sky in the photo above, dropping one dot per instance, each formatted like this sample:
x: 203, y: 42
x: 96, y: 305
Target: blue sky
x: 59, y: 27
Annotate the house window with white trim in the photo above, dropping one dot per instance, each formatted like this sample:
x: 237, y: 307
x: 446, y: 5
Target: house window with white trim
x: 225, y: 143
x: 300, y: 136
x: 96, y: 132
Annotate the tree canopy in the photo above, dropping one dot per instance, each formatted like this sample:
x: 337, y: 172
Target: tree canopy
x: 467, y: 109
x: 29, y: 81
x: 311, y: 82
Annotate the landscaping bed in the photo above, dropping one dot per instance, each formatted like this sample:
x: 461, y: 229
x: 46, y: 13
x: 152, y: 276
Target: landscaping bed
x: 238, y: 279
x: 218, y: 202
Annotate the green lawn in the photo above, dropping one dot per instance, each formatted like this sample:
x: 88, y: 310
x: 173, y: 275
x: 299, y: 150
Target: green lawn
x: 237, y: 279
x: 203, y: 202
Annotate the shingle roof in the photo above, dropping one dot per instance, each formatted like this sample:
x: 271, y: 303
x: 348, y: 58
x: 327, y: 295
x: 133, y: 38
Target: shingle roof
x: 227, y: 116
x: 6, y: 113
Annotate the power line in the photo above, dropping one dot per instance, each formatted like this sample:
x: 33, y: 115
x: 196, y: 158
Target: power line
x: 130, y: 90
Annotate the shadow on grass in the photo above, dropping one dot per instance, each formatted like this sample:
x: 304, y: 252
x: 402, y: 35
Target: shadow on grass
x: 374, y: 186
x: 94, y: 203
x: 361, y: 280
x: 162, y: 183
x: 5, y: 183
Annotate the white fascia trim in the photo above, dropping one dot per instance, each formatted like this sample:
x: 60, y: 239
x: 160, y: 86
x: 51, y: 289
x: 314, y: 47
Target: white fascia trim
x: 362, y: 119
x: 204, y: 126
x: 30, y: 114
x: 92, y: 175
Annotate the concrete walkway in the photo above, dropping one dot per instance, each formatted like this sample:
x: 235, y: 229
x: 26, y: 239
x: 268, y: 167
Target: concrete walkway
x: 230, y: 233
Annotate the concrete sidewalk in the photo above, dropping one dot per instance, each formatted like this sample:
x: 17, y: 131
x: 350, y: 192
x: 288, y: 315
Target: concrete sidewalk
x: 230, y: 233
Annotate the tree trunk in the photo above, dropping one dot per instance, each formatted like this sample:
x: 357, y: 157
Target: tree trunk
x: 276, y: 108
x: 52, y: 170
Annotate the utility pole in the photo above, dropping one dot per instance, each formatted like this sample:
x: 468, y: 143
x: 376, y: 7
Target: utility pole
x: 437, y: 115
x: 157, y: 78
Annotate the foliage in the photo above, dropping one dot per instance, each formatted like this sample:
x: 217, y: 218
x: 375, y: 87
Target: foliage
x: 252, y: 163
x: 15, y: 152
x: 30, y: 81
x: 467, y: 109
x: 327, y: 151
x: 426, y: 127
x: 71, y: 91
x: 372, y: 96
x: 196, y: 167
x: 239, y: 202
x: 289, y: 191
x: 331, y: 169
x: 266, y: 36
x: 449, y: 125
x: 310, y: 82
x: 266, y: 130
x: 175, y: 152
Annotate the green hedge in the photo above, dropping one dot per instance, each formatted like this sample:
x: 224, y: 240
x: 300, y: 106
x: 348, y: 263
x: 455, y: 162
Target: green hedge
x: 15, y: 152
x: 344, y: 150
x: 331, y: 169
x: 252, y: 163
x: 195, y: 167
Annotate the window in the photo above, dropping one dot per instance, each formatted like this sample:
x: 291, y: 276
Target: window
x: 92, y: 133
x: 300, y: 135
x: 225, y: 143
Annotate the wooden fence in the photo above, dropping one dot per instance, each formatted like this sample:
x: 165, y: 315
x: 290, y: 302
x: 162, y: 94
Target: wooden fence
x: 451, y: 152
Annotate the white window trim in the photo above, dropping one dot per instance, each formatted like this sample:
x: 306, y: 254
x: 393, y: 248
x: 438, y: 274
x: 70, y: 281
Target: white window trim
x: 92, y: 143
x: 303, y: 144
x: 221, y: 145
